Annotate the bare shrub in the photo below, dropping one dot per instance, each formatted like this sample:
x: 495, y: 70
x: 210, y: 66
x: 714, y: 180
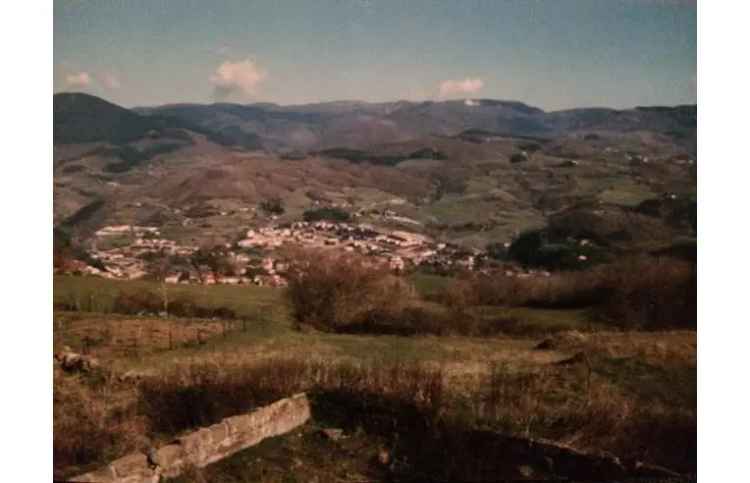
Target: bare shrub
x: 330, y: 290
x: 139, y: 302
x: 558, y: 290
x: 407, y: 321
x: 147, y: 302
x: 353, y: 294
x: 635, y: 292
x: 185, y: 307
x: 650, y: 293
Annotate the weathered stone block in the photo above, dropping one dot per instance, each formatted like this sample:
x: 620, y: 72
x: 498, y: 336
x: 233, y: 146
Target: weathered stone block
x: 196, y: 446
x: 171, y: 459
x: 217, y: 433
x: 239, y: 424
x: 134, y: 463
x: 103, y: 475
x: 208, y: 445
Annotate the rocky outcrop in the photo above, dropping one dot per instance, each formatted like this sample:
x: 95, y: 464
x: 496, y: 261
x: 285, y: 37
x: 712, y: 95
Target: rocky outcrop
x: 73, y: 362
x: 207, y: 445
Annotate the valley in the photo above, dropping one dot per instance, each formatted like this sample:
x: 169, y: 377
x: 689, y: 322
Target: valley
x: 433, y: 275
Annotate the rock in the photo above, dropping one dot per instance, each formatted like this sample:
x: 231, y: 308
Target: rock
x: 153, y: 457
x: 73, y: 362
x: 133, y: 466
x: 91, y: 363
x: 59, y: 356
x: 171, y: 456
x: 103, y: 475
x: 334, y: 434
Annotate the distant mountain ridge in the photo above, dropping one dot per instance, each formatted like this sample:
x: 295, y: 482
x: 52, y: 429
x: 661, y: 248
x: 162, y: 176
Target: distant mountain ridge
x: 353, y: 124
x: 83, y: 118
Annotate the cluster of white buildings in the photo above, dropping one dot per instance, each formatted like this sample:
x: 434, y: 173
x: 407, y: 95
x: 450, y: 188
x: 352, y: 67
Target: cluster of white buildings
x: 400, y: 249
x: 118, y: 230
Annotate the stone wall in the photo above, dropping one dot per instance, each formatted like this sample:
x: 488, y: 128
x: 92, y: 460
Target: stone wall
x: 207, y: 445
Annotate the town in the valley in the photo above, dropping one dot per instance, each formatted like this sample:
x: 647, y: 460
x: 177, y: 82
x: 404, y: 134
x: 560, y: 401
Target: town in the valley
x: 259, y: 258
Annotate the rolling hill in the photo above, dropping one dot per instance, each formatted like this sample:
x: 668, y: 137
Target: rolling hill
x: 468, y: 172
x: 359, y: 124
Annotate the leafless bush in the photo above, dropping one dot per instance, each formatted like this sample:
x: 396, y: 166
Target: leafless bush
x: 638, y: 292
x: 558, y: 290
x: 332, y: 290
x: 186, y: 307
x: 650, y: 293
x: 147, y: 302
x: 137, y: 302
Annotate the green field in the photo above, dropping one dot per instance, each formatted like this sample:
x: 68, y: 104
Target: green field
x: 96, y: 294
x: 266, y: 329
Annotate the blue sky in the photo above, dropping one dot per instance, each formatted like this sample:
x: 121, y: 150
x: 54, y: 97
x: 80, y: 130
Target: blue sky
x: 553, y: 54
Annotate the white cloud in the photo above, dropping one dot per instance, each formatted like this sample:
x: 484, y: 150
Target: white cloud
x: 239, y: 78
x: 81, y: 79
x: 458, y: 88
x: 110, y: 81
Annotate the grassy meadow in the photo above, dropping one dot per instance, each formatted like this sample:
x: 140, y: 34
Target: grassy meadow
x: 633, y: 386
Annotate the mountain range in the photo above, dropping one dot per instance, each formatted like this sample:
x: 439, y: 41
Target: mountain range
x: 472, y: 171
x: 355, y: 124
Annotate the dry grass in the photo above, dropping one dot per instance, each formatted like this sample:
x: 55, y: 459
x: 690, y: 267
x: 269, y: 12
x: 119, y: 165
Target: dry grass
x: 203, y: 394
x: 585, y: 408
x: 633, y: 398
x: 91, y: 424
x: 605, y: 405
x: 110, y: 337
